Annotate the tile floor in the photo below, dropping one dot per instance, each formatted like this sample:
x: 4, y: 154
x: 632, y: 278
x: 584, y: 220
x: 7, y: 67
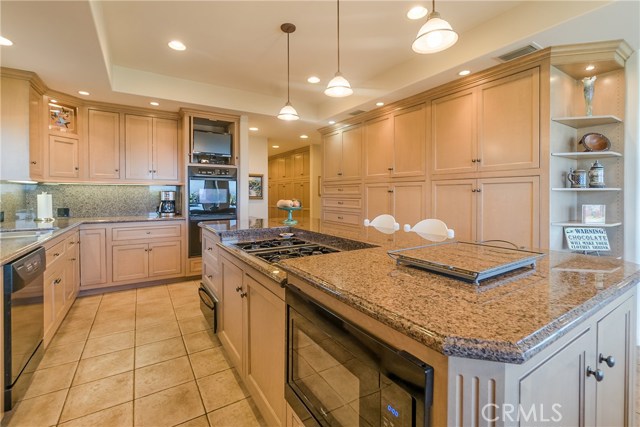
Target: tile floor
x: 144, y: 357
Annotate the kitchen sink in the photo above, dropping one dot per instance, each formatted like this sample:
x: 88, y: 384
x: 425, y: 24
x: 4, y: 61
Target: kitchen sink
x: 26, y: 233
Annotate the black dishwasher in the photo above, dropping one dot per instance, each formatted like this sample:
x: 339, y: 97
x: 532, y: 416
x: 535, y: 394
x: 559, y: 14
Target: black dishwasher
x: 23, y: 320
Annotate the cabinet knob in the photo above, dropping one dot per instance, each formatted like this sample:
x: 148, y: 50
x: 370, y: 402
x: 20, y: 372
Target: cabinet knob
x: 340, y: 189
x: 72, y: 259
x: 56, y: 254
x: 478, y: 160
x: 34, y: 163
x: 339, y: 173
x: 209, y: 276
x: 598, y: 374
x: 389, y: 169
x: 243, y: 294
x: 150, y: 171
x: 77, y: 168
x: 473, y: 160
x: 340, y: 217
x: 238, y: 288
x: 117, y: 170
x: 57, y: 281
x: 389, y: 191
x: 473, y: 190
x: 341, y: 203
x: 148, y: 232
x: 209, y: 249
x: 479, y: 190
x: 609, y: 360
x: 150, y: 249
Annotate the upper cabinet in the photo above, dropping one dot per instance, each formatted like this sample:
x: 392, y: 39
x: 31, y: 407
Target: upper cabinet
x: 151, y: 148
x: 104, y: 145
x: 301, y: 164
x: 342, y: 155
x: 64, y: 158
x: 492, y: 127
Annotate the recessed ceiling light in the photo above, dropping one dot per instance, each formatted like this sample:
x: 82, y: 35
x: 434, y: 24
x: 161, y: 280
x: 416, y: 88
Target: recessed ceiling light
x: 275, y: 146
x: 177, y: 45
x: 304, y: 136
x: 5, y: 42
x: 417, y: 12
x: 84, y: 93
x: 254, y: 129
x: 154, y: 103
x: 313, y: 79
x: 332, y: 122
x: 380, y: 104
x: 590, y: 67
x: 53, y: 101
x: 464, y: 73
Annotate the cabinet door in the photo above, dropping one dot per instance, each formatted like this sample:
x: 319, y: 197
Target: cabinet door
x: 165, y: 149
x: 352, y: 153
x: 302, y: 191
x: 409, y: 203
x: 280, y: 168
x: 266, y: 350
x: 273, y: 199
x: 378, y: 147
x: 570, y: 401
x: 63, y: 157
x: 104, y: 145
x: 36, y: 149
x: 53, y: 287
x: 455, y: 203
x: 409, y: 133
x: 332, y: 156
x: 130, y: 262
x: 138, y: 147
x: 453, y: 133
x: 165, y: 258
x: 509, y: 122
x: 285, y: 192
x: 93, y: 256
x: 301, y: 164
x: 231, y: 328
x: 72, y: 273
x: 273, y: 170
x: 377, y: 200
x: 613, y: 394
x: 509, y: 209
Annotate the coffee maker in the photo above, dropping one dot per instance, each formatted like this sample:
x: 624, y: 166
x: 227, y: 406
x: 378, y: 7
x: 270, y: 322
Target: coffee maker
x: 167, y: 205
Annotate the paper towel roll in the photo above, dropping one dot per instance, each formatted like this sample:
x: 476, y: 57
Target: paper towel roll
x: 45, y: 207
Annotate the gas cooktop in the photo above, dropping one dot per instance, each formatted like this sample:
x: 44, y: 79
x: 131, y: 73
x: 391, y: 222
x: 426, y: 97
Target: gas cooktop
x: 275, y: 250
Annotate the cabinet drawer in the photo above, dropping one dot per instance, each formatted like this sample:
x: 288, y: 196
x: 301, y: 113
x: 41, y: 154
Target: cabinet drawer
x: 342, y: 217
x: 135, y: 233
x: 56, y: 252
x: 211, y: 275
x: 209, y: 249
x: 351, y: 190
x: 329, y: 202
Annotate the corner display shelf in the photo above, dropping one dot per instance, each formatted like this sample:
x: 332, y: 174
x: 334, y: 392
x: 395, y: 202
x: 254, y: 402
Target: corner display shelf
x: 587, y: 121
x: 580, y: 155
x: 587, y: 189
x: 584, y: 224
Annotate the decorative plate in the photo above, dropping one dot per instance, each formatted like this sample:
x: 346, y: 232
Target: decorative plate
x: 595, y: 142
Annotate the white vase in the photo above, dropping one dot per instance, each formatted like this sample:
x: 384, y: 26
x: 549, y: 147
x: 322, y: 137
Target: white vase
x: 589, y: 84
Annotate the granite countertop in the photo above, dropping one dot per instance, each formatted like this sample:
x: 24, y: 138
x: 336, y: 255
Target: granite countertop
x: 13, y: 247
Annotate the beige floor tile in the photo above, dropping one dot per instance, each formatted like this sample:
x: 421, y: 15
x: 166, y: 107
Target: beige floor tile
x: 106, y: 365
x: 209, y: 362
x: 194, y: 324
x: 69, y: 336
x: 40, y: 411
x: 116, y: 416
x: 169, y: 407
x: 113, y: 299
x: 145, y: 321
x: 97, y: 395
x: 152, y: 293
x: 161, y: 376
x: 221, y: 389
x: 110, y: 327
x: 188, y: 296
x: 62, y: 354
x: 88, y: 300
x: 154, y: 306
x: 48, y: 380
x: 115, y: 312
x: 188, y: 310
x: 243, y: 413
x: 108, y: 344
x: 82, y: 314
x: 201, y: 421
x: 199, y: 341
x: 157, y: 332
x: 159, y: 351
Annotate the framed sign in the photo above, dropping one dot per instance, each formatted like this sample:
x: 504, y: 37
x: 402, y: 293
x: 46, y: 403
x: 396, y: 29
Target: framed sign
x: 588, y: 239
x: 593, y: 214
x: 256, y: 186
x: 62, y: 118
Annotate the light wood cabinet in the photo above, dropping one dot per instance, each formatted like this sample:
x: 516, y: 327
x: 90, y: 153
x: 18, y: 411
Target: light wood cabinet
x: 54, y: 280
x: 72, y: 266
x: 151, y: 146
x: 404, y: 201
x: 342, y: 154
x: 231, y: 313
x: 490, y: 209
x: 165, y: 258
x: 301, y: 165
x: 104, y: 145
x: 36, y: 147
x: 64, y: 154
x: 146, y: 260
x: 289, y: 178
x: 93, y: 256
x: 378, y: 143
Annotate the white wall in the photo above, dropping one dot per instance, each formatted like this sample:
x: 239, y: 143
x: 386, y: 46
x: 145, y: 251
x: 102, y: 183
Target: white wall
x: 259, y: 164
x: 632, y: 161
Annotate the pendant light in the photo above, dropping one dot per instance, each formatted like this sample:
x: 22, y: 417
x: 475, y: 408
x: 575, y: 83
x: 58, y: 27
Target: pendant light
x: 288, y: 112
x: 338, y: 87
x: 435, y: 35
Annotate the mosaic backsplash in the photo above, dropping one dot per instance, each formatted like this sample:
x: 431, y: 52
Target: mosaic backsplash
x: 84, y: 201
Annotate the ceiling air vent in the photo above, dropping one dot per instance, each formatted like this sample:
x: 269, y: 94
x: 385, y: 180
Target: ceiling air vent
x: 356, y: 112
x: 522, y: 51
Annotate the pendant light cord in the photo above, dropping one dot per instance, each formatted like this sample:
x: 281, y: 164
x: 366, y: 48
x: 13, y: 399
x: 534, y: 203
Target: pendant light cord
x: 433, y: 5
x: 288, y: 100
x: 338, y: 6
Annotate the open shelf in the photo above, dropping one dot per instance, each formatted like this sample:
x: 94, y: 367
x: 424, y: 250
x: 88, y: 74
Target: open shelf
x: 583, y: 224
x: 587, y: 121
x: 587, y: 189
x: 578, y: 155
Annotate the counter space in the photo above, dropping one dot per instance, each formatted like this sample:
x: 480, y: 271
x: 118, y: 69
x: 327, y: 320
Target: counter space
x: 13, y: 247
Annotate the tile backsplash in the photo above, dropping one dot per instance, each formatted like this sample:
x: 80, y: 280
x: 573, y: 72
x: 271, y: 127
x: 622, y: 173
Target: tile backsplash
x: 84, y: 201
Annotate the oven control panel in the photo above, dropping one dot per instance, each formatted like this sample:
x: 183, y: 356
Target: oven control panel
x: 200, y: 171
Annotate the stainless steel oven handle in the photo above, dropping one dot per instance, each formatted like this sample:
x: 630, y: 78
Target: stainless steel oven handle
x: 204, y: 297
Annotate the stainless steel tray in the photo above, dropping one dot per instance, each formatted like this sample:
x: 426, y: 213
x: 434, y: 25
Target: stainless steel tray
x: 471, y: 262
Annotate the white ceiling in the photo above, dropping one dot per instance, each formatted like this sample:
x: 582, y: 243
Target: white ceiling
x: 236, y: 54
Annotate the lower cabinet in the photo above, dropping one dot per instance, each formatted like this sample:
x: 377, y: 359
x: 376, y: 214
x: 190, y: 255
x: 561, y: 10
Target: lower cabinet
x: 252, y: 331
x: 93, y: 256
x: 146, y: 260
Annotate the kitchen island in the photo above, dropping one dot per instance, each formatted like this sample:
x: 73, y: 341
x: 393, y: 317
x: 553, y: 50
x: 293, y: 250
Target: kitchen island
x: 534, y: 339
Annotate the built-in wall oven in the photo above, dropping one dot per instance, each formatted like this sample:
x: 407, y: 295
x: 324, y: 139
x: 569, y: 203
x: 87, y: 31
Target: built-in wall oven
x: 212, y: 196
x: 340, y: 375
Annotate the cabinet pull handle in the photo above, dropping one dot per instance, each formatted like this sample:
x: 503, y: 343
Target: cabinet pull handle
x: 57, y: 281
x: 238, y: 288
x: 341, y: 203
x: 598, y: 374
x: 148, y: 232
x: 609, y: 360
x: 72, y: 259
x: 340, y: 189
x: 243, y: 294
x: 340, y: 217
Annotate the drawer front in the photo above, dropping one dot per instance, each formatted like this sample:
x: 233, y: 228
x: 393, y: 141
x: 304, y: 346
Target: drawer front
x: 136, y: 233
x: 342, y: 217
x: 330, y: 202
x: 350, y: 190
x: 56, y: 252
x: 211, y: 275
x: 72, y: 242
x: 209, y: 249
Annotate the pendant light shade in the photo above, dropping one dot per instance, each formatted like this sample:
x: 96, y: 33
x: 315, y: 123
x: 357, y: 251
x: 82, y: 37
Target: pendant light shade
x: 435, y: 35
x: 338, y: 86
x: 288, y: 112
